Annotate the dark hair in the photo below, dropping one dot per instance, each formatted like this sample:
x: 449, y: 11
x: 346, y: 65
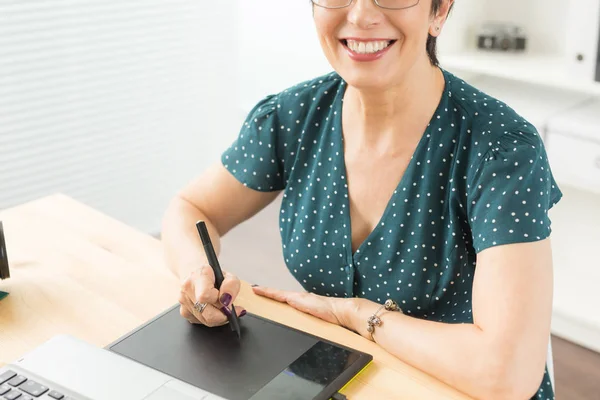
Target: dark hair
x: 432, y: 40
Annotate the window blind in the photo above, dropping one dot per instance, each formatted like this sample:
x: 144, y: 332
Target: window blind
x: 115, y: 103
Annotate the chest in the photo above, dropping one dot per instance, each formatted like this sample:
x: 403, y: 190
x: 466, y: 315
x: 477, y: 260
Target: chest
x: 353, y: 222
x: 372, y: 180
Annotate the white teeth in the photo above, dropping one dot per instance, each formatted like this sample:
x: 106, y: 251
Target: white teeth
x: 367, y: 47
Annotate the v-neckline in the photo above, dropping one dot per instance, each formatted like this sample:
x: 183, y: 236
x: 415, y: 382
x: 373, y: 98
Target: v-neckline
x: 353, y: 255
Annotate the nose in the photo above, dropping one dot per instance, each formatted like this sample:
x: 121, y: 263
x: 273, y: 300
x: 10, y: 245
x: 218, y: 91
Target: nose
x: 364, y: 14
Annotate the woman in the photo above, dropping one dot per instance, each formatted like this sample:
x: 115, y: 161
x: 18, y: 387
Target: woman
x: 402, y: 182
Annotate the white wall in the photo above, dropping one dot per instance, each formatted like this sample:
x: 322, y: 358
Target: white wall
x: 116, y: 103
x: 278, y: 47
x: 119, y: 104
x: 459, y: 29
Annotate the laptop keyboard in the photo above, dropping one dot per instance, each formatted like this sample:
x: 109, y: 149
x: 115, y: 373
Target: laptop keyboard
x: 18, y: 387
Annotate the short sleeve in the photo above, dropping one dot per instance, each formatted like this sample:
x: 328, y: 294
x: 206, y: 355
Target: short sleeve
x: 253, y: 157
x: 510, y: 192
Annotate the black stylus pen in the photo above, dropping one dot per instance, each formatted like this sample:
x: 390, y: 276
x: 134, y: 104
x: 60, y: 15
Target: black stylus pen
x: 214, y: 263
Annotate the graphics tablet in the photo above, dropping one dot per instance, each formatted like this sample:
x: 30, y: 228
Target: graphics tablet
x: 270, y: 361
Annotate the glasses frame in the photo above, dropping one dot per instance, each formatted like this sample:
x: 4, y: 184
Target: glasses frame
x: 375, y: 1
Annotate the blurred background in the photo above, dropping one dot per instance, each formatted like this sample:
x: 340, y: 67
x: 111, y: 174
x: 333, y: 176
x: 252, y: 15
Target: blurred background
x: 120, y: 103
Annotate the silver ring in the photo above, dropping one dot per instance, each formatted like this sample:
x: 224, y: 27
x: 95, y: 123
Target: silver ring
x: 199, y: 307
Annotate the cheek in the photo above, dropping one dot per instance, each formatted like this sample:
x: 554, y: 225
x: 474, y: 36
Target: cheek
x: 326, y: 34
x: 414, y: 27
x: 326, y: 31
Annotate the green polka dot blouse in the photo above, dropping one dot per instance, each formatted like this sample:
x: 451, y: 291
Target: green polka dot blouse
x: 478, y: 178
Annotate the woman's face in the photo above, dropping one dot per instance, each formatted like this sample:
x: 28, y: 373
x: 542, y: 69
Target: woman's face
x: 373, y: 47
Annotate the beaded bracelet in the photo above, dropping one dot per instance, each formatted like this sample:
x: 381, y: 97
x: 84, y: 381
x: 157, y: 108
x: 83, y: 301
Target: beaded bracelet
x: 374, y: 320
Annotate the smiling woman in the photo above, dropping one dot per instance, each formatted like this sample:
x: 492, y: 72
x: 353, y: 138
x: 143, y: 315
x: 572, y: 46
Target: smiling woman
x: 431, y: 44
x: 402, y: 184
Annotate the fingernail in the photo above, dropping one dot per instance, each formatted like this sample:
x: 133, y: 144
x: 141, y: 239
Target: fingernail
x: 242, y: 313
x: 254, y: 285
x: 226, y: 299
x: 226, y: 311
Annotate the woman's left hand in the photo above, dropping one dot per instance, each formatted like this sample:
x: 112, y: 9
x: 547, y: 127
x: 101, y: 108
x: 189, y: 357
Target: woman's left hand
x: 330, y: 309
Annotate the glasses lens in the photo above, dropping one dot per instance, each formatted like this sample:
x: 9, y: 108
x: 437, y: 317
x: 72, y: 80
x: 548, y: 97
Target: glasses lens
x: 397, y: 4
x: 332, y: 3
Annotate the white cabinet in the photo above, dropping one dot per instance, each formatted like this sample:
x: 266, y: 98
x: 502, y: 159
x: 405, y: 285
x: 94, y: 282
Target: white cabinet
x: 575, y: 241
x: 562, y: 50
x: 536, y: 103
x: 575, y: 161
x: 573, y: 145
x: 573, y: 141
x: 583, y: 31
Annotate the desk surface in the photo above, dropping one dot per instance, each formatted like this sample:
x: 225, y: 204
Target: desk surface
x: 76, y: 271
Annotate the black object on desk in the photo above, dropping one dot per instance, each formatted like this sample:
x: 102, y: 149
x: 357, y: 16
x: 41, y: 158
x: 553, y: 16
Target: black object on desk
x: 270, y: 361
x: 4, y: 270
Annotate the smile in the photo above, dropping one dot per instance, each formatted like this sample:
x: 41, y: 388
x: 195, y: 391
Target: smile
x: 366, y: 50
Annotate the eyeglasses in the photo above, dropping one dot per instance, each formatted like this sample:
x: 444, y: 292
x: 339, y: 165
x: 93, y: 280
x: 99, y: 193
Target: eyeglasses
x: 387, y: 4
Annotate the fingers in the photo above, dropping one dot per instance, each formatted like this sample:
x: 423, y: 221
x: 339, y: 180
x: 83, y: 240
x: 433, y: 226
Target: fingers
x: 219, y: 316
x: 230, y: 288
x: 240, y: 311
x: 308, y: 303
x: 275, y: 294
x: 300, y: 301
x: 210, y: 316
x: 185, y: 313
x: 186, y: 308
x: 201, y: 286
x: 213, y: 316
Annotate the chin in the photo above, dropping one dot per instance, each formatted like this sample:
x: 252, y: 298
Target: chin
x: 365, y: 79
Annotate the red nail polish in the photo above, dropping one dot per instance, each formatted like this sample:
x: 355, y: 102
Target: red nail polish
x: 243, y: 313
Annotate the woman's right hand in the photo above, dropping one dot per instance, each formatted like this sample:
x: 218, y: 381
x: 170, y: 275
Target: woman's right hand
x: 199, y: 288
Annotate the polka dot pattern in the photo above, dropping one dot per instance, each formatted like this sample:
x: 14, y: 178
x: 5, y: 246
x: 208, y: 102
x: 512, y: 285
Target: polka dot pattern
x: 478, y: 178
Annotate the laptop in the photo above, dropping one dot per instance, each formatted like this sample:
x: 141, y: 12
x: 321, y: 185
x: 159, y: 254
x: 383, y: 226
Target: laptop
x: 65, y: 368
x: 168, y: 358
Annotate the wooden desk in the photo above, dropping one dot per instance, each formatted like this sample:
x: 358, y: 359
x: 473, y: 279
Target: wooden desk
x: 76, y: 271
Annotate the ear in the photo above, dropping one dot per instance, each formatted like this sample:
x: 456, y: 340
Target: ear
x: 439, y: 19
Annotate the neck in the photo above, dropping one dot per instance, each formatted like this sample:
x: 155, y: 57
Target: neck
x: 377, y: 114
